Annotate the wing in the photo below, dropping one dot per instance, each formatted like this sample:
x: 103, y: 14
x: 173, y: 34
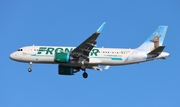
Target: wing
x: 81, y: 53
x: 99, y: 68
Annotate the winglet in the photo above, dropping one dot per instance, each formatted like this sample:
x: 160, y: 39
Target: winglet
x: 101, y: 28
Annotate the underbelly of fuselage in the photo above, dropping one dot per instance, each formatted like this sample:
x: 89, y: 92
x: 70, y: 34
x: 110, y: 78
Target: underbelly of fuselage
x: 93, y: 61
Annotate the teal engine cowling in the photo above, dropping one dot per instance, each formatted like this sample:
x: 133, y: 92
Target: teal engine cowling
x: 67, y: 70
x: 62, y: 57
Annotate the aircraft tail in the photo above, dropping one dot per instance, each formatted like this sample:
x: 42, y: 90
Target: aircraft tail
x: 157, y: 51
x: 155, y: 40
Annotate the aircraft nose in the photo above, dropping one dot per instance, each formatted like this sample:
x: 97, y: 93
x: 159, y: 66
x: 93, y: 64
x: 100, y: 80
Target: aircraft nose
x: 12, y: 56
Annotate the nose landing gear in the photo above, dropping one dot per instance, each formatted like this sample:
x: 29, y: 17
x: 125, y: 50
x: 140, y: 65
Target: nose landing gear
x: 30, y: 68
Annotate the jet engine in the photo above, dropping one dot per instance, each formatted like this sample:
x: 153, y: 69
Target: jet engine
x: 62, y: 57
x: 67, y: 70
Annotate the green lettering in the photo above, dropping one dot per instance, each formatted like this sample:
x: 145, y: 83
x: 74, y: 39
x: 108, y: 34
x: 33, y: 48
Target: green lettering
x: 41, y: 49
x: 50, y: 50
x: 67, y: 50
x: 59, y: 50
x: 94, y: 52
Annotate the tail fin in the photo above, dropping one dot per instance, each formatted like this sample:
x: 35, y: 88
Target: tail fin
x: 155, y: 40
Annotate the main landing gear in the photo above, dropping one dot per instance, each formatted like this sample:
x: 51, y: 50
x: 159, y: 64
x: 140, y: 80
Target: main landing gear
x: 85, y: 74
x: 30, y: 68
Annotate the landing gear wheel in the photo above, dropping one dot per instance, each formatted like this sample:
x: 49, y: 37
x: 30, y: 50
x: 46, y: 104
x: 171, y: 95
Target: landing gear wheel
x: 85, y: 75
x: 29, y: 69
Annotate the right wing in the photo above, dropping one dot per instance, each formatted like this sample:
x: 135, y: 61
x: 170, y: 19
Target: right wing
x: 81, y: 52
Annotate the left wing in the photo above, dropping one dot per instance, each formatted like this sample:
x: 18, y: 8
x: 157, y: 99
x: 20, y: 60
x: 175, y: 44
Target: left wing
x: 81, y: 53
x: 99, y: 68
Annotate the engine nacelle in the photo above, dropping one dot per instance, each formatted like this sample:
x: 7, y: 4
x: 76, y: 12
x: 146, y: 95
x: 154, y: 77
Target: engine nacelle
x: 66, y: 70
x: 62, y: 57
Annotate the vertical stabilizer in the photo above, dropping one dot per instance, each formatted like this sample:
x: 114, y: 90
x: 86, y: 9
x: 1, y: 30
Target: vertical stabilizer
x: 155, y: 40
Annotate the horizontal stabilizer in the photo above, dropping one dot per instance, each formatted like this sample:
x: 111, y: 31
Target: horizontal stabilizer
x: 157, y: 51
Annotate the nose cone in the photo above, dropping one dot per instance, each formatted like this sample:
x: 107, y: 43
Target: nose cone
x: 11, y: 56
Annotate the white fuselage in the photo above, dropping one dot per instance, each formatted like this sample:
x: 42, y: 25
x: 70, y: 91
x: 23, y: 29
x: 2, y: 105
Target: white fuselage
x: 98, y: 56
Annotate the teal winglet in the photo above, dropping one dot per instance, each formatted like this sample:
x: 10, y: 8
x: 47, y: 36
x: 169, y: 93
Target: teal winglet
x: 101, y: 27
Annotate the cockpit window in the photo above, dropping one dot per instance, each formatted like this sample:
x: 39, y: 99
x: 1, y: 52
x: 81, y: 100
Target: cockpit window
x: 20, y: 49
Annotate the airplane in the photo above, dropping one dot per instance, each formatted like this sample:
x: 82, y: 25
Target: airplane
x: 71, y: 60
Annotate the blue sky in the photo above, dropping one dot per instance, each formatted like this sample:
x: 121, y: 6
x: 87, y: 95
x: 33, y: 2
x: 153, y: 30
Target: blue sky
x: 70, y: 22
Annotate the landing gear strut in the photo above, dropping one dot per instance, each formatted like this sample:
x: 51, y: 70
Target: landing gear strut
x: 85, y: 74
x: 83, y: 67
x: 30, y: 68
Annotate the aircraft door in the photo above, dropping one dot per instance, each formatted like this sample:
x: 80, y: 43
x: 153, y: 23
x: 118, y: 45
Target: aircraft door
x: 33, y: 52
